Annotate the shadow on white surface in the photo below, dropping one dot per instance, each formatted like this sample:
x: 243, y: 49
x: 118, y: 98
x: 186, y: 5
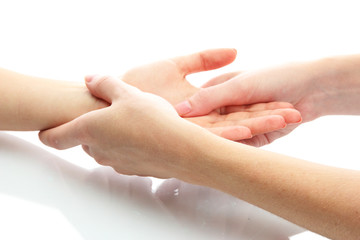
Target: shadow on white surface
x: 102, y: 204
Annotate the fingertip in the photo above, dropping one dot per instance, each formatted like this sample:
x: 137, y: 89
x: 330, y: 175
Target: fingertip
x: 183, y: 108
x: 91, y: 77
x: 104, y: 87
x: 300, y: 119
x: 293, y: 116
x: 49, y: 141
x: 42, y: 137
x: 243, y: 133
x: 297, y: 118
x: 237, y: 133
x: 88, y: 78
x: 275, y: 122
x: 234, y: 52
x: 228, y: 55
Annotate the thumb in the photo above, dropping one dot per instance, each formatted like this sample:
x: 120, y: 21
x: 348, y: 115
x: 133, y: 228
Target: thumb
x: 107, y: 88
x: 64, y: 136
x: 207, y: 100
x: 205, y: 60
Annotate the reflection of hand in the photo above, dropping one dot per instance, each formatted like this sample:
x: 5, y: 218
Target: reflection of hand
x: 168, y: 79
x: 293, y: 83
x: 142, y: 134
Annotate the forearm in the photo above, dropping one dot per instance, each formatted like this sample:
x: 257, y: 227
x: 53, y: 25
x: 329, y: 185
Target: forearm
x: 337, y: 87
x: 31, y: 103
x: 320, y: 198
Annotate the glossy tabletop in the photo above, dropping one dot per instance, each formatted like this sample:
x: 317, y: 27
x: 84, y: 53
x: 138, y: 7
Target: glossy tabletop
x: 45, y: 197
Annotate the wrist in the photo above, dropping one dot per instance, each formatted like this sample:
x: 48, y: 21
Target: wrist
x: 71, y: 101
x: 201, y: 159
x: 53, y: 103
x: 192, y: 153
x: 34, y: 103
x: 337, y: 86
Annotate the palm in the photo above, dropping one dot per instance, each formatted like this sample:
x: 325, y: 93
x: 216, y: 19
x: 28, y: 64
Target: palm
x: 269, y: 85
x: 163, y: 79
x: 168, y: 79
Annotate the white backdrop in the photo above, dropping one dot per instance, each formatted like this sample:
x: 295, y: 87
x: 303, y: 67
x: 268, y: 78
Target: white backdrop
x: 68, y: 39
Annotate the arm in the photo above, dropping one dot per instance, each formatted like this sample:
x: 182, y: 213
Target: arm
x: 323, y: 199
x: 31, y: 103
x: 167, y: 78
x: 317, y: 88
x: 339, y: 86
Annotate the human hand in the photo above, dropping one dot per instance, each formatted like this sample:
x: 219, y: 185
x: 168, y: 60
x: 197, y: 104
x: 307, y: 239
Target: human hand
x: 167, y: 79
x: 293, y: 83
x: 140, y: 133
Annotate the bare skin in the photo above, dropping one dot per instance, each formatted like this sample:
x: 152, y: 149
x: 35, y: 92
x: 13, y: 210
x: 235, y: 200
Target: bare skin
x: 323, y: 199
x: 322, y: 87
x: 34, y: 103
x: 167, y: 79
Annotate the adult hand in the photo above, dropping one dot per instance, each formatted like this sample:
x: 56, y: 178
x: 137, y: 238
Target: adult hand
x: 140, y: 133
x: 293, y: 83
x: 167, y: 79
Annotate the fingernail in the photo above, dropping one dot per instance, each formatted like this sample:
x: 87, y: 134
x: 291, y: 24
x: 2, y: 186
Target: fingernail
x: 300, y: 120
x: 89, y: 78
x: 183, y: 108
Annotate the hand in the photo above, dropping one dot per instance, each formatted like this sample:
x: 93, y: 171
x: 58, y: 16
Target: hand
x: 293, y: 83
x: 167, y: 79
x: 140, y: 133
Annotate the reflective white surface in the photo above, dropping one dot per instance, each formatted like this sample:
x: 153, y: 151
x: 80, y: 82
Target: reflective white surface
x: 65, y: 195
x: 39, y: 191
x: 50, y: 194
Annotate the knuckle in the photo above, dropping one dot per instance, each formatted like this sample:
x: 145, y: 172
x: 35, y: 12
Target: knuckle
x: 102, y: 80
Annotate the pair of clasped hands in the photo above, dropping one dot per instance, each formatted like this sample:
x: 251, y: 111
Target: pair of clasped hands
x: 152, y: 114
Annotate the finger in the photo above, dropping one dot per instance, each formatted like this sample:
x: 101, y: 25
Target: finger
x: 265, y: 124
x: 205, y: 60
x: 290, y: 115
x: 208, y: 99
x: 220, y: 79
x: 107, y: 88
x: 256, y: 107
x: 256, y: 141
x: 267, y: 138
x: 65, y: 136
x: 234, y: 133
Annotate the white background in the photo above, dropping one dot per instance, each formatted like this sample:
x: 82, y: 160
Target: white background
x: 69, y: 39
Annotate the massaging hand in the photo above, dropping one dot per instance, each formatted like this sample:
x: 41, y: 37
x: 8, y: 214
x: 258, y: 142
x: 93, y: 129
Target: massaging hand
x: 293, y: 83
x: 168, y: 79
x: 140, y: 133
